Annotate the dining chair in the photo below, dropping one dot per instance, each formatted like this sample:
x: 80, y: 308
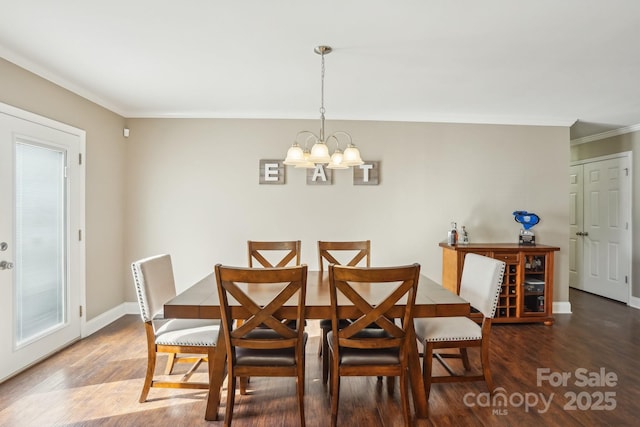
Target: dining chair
x: 182, y: 339
x: 380, y: 295
x: 480, y: 285
x: 270, y: 254
x: 350, y: 253
x: 254, y: 350
x: 263, y: 252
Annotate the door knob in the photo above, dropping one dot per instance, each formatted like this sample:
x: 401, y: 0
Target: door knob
x: 5, y: 265
x: 579, y: 233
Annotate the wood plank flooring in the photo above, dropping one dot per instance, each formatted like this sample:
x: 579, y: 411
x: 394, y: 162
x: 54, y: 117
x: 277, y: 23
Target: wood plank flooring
x: 96, y: 382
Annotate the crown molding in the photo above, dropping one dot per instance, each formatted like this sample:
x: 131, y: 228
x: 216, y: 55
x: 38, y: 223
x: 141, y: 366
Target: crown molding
x: 607, y: 134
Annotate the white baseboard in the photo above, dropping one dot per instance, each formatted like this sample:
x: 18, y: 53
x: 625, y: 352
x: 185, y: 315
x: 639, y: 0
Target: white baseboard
x: 634, y: 302
x: 561, y: 307
x: 102, y: 320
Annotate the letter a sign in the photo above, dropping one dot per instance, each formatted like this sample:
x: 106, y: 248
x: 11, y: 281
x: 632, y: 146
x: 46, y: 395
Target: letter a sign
x: 320, y: 175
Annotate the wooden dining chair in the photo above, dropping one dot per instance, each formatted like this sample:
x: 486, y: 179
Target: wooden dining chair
x: 263, y: 252
x: 480, y: 286
x: 254, y: 350
x: 270, y: 254
x: 181, y: 339
x: 350, y: 253
x: 379, y: 295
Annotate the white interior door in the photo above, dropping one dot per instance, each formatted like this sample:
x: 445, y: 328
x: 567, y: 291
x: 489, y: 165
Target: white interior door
x: 605, y: 233
x: 576, y: 221
x: 41, y: 255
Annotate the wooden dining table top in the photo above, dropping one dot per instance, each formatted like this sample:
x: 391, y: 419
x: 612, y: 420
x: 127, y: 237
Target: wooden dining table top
x: 201, y: 300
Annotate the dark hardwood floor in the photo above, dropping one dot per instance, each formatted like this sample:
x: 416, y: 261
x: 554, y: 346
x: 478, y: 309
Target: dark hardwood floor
x: 97, y: 382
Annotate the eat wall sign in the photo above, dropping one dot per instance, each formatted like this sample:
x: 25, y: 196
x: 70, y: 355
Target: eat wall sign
x: 274, y: 172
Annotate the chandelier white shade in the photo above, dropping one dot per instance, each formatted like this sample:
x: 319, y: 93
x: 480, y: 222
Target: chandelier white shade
x: 351, y: 156
x: 319, y: 154
x: 295, y: 155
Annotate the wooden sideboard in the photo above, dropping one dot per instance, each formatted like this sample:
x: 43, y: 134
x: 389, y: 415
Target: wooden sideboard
x: 527, y: 288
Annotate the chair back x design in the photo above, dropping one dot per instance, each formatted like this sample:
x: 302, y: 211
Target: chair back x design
x: 360, y: 250
x: 350, y: 253
x: 369, y: 296
x: 266, y: 343
x: 260, y: 252
x: 180, y: 338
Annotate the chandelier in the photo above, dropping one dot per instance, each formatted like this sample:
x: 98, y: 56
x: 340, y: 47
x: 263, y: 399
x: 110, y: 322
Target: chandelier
x: 319, y: 154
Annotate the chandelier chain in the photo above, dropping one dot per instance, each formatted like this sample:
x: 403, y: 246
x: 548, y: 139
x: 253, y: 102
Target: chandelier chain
x: 322, y: 85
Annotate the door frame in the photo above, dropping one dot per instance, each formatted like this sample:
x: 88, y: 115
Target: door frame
x: 629, y: 209
x: 81, y: 204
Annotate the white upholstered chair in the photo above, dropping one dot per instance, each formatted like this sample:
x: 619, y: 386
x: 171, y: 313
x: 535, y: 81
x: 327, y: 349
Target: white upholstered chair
x: 185, y: 340
x: 480, y: 286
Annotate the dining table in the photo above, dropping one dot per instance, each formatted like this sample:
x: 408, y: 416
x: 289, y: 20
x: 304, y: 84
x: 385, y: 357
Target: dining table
x: 201, y: 301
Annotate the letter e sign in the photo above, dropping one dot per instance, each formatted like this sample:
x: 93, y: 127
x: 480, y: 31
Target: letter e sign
x: 271, y: 172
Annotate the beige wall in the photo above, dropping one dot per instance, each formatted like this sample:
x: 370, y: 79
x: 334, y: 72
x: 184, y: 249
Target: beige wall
x: 193, y: 191
x: 618, y: 144
x: 105, y: 162
x: 190, y: 187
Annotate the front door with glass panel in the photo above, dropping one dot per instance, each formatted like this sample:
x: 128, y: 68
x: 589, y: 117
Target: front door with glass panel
x: 40, y: 250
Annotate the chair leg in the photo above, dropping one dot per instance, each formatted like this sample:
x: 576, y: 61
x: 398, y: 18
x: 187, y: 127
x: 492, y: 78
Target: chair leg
x: 243, y: 385
x: 148, y: 379
x: 171, y: 361
x: 404, y: 397
x: 300, y: 392
x: 464, y: 355
x: 427, y: 367
x: 391, y: 381
x: 335, y: 396
x: 231, y: 395
x: 325, y: 356
x: 486, y: 368
x: 330, y: 376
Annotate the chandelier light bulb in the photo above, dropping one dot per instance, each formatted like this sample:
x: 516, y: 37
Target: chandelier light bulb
x: 336, y: 160
x: 306, y: 163
x: 320, y: 153
x: 295, y: 155
x: 352, y: 156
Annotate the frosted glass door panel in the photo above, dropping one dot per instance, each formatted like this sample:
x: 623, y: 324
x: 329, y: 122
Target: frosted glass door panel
x: 40, y: 241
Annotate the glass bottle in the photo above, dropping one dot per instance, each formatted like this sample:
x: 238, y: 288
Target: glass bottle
x: 453, y: 234
x: 464, y: 236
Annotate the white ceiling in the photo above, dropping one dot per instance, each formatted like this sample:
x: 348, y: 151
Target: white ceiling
x: 544, y: 62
